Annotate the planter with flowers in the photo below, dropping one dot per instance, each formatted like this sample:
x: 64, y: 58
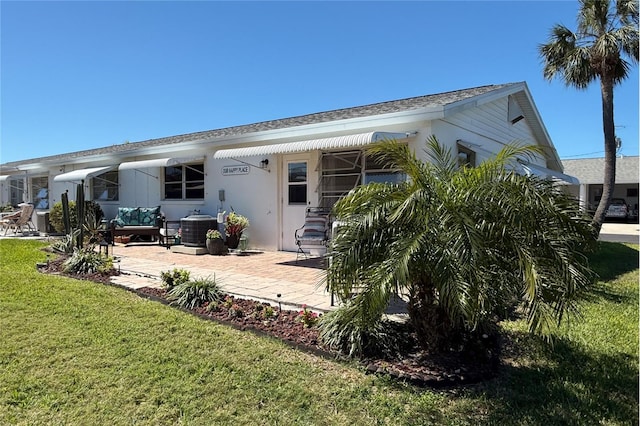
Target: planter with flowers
x: 215, y: 243
x: 234, y: 226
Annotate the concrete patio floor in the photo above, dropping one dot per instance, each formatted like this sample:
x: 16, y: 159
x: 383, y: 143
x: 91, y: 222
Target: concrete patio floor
x: 261, y: 276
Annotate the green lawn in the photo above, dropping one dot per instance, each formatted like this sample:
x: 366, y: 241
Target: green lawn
x: 74, y: 352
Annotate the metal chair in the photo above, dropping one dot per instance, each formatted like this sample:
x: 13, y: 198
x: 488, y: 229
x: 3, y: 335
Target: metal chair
x: 314, y: 234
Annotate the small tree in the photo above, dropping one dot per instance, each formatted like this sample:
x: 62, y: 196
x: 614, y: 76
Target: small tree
x: 464, y: 244
x: 607, y: 32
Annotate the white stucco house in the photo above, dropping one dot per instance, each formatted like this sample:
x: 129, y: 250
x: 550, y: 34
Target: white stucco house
x: 271, y: 171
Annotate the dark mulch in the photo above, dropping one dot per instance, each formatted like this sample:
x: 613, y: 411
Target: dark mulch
x: 412, y: 364
x: 54, y: 266
x: 251, y: 315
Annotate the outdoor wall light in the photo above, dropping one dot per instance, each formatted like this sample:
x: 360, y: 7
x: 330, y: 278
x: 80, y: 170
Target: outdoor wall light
x: 264, y: 163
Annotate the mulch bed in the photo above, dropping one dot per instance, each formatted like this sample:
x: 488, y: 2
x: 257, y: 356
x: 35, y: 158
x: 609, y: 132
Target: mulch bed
x: 54, y: 266
x: 413, y: 365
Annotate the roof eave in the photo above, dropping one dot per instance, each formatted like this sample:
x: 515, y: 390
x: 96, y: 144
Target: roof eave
x: 534, y: 119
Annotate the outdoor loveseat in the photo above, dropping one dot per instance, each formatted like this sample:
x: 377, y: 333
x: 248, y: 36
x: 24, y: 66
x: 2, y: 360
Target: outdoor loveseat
x: 137, y: 221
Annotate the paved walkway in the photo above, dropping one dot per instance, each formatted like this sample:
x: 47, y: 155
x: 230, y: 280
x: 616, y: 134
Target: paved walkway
x: 620, y: 232
x: 274, y: 277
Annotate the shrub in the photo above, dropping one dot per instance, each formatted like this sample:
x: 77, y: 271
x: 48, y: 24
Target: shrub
x: 235, y: 311
x: 55, y: 216
x: 268, y: 312
x: 92, y: 210
x: 212, y: 306
x: 92, y: 226
x: 195, y: 293
x: 67, y: 243
x: 263, y: 311
x: 213, y: 234
x: 235, y: 224
x: 87, y: 262
x: 307, y: 317
x: 345, y: 331
x: 228, y: 302
x: 173, y: 278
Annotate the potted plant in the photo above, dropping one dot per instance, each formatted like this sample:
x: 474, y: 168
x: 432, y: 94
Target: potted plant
x: 215, y: 243
x: 234, y: 226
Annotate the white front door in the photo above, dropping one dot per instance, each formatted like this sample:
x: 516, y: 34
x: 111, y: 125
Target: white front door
x: 296, y: 197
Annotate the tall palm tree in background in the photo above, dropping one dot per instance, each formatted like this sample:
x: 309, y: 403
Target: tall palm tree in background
x: 465, y: 245
x: 607, y: 32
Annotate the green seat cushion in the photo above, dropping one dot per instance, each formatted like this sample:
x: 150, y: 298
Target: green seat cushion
x: 128, y: 216
x: 149, y: 216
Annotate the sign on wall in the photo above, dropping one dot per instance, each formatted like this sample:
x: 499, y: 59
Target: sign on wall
x: 235, y: 170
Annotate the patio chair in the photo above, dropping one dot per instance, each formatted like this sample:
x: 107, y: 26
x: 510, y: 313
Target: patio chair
x: 18, y: 220
x: 7, y: 218
x: 314, y: 234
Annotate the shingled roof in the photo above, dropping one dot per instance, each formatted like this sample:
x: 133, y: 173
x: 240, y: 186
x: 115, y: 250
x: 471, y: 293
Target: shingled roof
x: 408, y: 104
x: 591, y: 170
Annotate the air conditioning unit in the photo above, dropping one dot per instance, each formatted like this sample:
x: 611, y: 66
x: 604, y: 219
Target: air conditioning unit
x: 195, y: 227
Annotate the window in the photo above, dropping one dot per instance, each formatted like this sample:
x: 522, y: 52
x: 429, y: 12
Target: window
x: 341, y: 172
x: 344, y: 170
x: 297, y: 179
x: 105, y: 186
x: 376, y: 170
x: 632, y: 192
x: 184, y: 182
x: 40, y: 191
x: 16, y: 189
x: 466, y: 157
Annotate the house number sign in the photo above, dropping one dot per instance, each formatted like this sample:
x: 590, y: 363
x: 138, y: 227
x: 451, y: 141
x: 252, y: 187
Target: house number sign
x: 235, y: 170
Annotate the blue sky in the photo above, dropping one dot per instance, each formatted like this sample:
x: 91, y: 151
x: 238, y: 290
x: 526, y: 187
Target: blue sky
x: 81, y: 75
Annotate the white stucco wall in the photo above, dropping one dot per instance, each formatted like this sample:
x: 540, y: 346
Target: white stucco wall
x: 254, y: 195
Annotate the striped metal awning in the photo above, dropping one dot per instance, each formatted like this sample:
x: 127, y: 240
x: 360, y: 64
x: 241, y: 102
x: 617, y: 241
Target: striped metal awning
x: 82, y: 174
x: 158, y: 162
x: 360, y: 139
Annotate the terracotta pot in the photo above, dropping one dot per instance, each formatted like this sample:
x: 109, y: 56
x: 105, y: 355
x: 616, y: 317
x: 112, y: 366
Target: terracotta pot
x: 122, y: 239
x: 233, y: 241
x: 215, y: 246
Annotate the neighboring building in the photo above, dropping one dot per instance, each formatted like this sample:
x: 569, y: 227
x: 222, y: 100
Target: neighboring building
x: 590, y: 173
x: 271, y: 171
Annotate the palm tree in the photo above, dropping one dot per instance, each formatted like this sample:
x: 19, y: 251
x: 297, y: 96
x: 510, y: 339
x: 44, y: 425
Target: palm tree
x: 464, y: 244
x: 607, y: 32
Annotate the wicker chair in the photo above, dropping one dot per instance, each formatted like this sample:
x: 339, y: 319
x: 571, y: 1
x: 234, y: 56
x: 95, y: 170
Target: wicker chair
x: 19, y: 220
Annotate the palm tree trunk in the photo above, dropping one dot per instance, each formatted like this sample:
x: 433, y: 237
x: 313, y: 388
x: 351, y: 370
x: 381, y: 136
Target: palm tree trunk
x: 434, y: 330
x: 606, y: 88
